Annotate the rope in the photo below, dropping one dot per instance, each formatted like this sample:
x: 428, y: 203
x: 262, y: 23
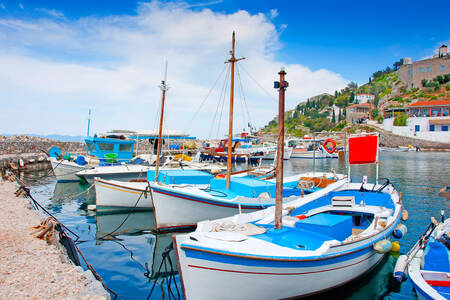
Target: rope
x: 144, y: 192
x: 207, y: 95
x: 166, y: 255
x: 263, y: 89
x: 74, y: 196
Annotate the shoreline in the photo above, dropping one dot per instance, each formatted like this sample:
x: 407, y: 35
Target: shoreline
x: 31, y: 268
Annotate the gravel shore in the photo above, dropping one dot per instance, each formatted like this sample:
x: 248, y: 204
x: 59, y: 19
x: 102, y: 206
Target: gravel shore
x: 29, y: 267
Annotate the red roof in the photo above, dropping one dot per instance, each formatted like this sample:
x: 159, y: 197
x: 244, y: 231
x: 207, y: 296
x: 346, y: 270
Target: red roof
x: 431, y: 103
x: 361, y: 104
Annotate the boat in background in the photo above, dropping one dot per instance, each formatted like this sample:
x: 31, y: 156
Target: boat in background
x: 101, y: 151
x: 307, y: 147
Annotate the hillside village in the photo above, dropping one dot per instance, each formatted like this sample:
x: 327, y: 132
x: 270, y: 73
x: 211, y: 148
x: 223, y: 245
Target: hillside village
x: 389, y: 98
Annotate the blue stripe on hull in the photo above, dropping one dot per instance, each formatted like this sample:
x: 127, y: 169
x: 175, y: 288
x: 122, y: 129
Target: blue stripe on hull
x: 210, y: 201
x: 191, y: 253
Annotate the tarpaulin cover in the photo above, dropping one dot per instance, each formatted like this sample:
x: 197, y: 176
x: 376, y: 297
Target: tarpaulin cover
x: 363, y: 149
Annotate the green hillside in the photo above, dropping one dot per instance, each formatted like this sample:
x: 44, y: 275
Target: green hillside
x: 327, y: 112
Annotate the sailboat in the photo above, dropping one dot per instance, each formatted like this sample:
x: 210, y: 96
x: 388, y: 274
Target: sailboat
x: 298, y: 248
x: 181, y: 205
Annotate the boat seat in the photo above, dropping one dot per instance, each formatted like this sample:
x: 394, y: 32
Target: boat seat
x: 343, y: 201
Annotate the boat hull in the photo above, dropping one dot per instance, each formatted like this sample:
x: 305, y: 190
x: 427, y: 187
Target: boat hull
x: 116, y: 195
x: 208, y: 277
x: 65, y: 171
x: 173, y: 210
x: 122, y: 176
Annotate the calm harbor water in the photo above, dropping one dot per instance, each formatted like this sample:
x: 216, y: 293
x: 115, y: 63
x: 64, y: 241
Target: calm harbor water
x: 127, y: 261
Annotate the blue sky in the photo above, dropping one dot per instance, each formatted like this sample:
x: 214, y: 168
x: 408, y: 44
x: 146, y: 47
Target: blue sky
x: 323, y: 44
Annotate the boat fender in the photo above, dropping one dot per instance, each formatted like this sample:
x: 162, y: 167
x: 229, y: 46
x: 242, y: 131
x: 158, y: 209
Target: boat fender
x: 220, y: 176
x: 399, y: 231
x: 404, y: 215
x: 383, y: 246
x: 301, y: 217
x: 21, y: 163
x: 399, y: 270
x: 395, y: 246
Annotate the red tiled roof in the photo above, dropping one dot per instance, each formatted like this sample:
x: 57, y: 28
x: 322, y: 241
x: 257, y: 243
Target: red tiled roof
x: 361, y: 104
x: 430, y: 103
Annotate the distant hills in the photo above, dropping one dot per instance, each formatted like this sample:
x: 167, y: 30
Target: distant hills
x: 56, y: 137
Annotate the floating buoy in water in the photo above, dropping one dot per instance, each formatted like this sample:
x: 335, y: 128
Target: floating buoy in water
x: 21, y: 163
x: 399, y: 231
x: 383, y: 246
x: 399, y: 270
x: 395, y: 246
x: 91, y: 207
x: 404, y: 215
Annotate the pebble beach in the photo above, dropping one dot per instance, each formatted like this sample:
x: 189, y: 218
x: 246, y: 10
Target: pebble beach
x: 30, y: 268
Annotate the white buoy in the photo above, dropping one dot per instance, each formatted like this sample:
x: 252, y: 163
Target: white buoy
x: 383, y: 246
x: 399, y: 231
x: 400, y: 266
x: 92, y: 207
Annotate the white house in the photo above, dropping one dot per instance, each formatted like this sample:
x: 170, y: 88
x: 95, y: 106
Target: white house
x: 427, y: 120
x: 364, y: 98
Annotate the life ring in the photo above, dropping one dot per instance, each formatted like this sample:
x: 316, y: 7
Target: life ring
x: 333, y: 144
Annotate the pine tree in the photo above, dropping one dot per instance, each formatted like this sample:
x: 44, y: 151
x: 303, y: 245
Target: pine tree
x: 333, y: 119
x: 340, y: 115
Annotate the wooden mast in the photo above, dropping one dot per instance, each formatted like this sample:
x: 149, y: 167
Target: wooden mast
x: 163, y: 88
x: 232, y: 60
x: 281, y: 85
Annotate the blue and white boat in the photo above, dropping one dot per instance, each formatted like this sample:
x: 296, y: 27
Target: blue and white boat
x: 429, y: 269
x: 101, y: 151
x: 327, y: 240
x: 427, y: 264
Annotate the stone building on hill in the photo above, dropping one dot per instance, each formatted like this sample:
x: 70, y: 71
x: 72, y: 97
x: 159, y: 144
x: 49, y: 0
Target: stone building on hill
x: 413, y: 72
x: 357, y: 112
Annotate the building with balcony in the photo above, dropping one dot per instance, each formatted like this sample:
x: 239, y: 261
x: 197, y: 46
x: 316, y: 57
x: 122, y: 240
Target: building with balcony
x: 427, y: 120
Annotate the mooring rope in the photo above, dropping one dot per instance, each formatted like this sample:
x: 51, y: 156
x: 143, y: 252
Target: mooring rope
x: 144, y: 192
x: 166, y: 256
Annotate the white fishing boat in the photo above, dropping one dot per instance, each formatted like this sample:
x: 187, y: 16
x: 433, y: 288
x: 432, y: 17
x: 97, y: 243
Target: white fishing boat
x: 179, y: 206
x: 139, y: 166
x: 309, y: 148
x: 65, y: 170
x: 299, y: 248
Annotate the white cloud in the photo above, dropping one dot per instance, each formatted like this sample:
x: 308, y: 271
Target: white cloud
x: 20, y: 5
x: 54, y: 70
x: 52, y: 12
x: 273, y: 13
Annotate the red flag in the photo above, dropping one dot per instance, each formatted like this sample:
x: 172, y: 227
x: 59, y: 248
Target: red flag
x: 363, y: 149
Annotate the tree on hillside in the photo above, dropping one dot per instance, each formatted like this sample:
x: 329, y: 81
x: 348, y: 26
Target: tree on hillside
x: 352, y: 85
x: 370, y: 80
x: 352, y: 97
x: 333, y: 119
x: 340, y: 115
